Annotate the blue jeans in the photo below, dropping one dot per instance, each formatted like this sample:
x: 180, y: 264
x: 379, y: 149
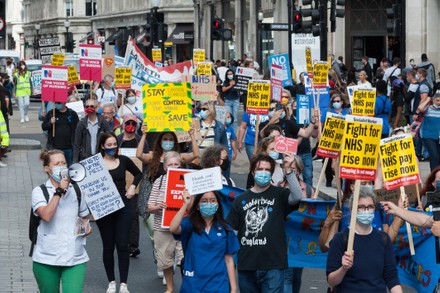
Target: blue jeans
x: 292, y: 280
x: 249, y: 150
x: 433, y: 148
x: 264, y: 281
x: 68, y: 153
x: 232, y: 107
x: 307, y: 173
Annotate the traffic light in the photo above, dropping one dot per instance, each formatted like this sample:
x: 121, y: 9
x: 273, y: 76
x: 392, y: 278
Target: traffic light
x: 393, y: 19
x: 297, y: 22
x: 26, y: 45
x: 148, y: 38
x: 336, y: 12
x: 162, y: 32
x: 311, y: 26
x: 216, y: 29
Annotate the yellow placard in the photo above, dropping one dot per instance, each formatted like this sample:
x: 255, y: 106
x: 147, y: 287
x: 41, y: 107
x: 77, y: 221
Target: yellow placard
x: 258, y: 98
x: 360, y: 147
x: 363, y: 102
x: 72, y: 75
x: 123, y: 77
x: 58, y: 59
x: 399, y: 161
x: 167, y: 106
x: 331, y: 137
x: 204, y: 68
x: 156, y: 55
x: 309, y: 65
x: 320, y: 75
x: 198, y: 56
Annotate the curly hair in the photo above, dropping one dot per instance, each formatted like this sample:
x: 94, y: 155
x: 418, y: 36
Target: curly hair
x: 211, y: 156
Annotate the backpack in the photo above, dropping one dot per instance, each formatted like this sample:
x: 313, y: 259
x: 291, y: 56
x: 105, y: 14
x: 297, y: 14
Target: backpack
x: 103, y: 91
x: 34, y: 221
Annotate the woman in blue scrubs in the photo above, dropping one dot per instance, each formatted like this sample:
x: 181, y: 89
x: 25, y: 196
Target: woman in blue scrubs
x: 208, y: 243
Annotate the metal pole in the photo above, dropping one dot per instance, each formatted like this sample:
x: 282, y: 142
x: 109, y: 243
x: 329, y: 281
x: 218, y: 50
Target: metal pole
x: 289, y: 31
x: 323, y: 29
x: 211, y: 43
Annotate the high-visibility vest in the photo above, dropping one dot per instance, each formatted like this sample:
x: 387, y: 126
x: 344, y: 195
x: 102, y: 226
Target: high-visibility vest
x: 23, y: 85
x: 4, y: 135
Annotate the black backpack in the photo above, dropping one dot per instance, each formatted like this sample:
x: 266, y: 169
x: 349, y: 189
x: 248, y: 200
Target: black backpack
x: 34, y: 221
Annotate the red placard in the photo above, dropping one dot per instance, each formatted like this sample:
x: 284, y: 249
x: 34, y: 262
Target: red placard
x: 286, y: 145
x: 173, y: 194
x: 54, y: 83
x: 90, y: 62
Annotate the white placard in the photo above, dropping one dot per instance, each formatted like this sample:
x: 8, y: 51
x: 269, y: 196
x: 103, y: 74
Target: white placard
x: 128, y: 152
x: 100, y: 191
x: 203, y: 181
x: 221, y: 114
x: 78, y: 107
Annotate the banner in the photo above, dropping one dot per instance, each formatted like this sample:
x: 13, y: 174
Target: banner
x: 281, y: 63
x: 258, y: 98
x: 58, y: 59
x: 399, y: 161
x: 204, y: 68
x: 167, y: 106
x: 123, y: 78
x: 360, y: 147
x: 203, y: 87
x: 90, y: 62
x: 363, y: 102
x: 54, y: 83
x: 198, y: 56
x: 320, y: 75
x: 331, y: 137
x: 173, y: 194
x: 244, y: 75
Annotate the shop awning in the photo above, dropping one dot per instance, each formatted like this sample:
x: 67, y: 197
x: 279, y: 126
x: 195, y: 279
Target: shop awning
x: 182, y: 34
x: 116, y: 35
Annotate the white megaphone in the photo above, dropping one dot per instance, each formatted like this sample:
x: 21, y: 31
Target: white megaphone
x: 76, y: 172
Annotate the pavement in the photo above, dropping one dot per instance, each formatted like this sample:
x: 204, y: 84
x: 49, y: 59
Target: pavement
x: 25, y: 171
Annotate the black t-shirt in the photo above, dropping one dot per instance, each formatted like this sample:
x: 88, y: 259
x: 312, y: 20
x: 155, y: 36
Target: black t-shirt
x: 290, y: 128
x: 129, y: 144
x: 398, y: 101
x: 65, y: 126
x: 118, y: 175
x: 259, y: 219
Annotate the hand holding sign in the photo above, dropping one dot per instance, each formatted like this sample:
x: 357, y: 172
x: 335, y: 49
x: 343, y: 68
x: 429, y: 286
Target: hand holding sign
x: 203, y: 181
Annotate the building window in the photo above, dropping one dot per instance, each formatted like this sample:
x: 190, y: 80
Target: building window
x: 69, y: 7
x: 90, y: 7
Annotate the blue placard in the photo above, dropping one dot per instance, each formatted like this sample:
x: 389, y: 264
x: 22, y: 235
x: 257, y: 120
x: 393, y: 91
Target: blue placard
x: 303, y: 109
x: 282, y: 60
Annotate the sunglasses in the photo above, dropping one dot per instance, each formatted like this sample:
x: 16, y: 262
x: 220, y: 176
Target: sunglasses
x: 131, y: 123
x: 89, y: 106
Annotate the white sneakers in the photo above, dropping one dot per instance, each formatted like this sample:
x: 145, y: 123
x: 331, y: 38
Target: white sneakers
x: 112, y: 288
x: 26, y: 118
x: 164, y: 281
x: 22, y: 121
x: 3, y: 165
x: 159, y: 273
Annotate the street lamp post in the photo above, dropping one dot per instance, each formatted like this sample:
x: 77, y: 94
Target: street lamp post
x: 37, y: 40
x: 66, y: 39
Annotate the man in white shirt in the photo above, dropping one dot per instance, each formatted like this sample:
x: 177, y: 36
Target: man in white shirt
x: 107, y: 94
x: 392, y: 71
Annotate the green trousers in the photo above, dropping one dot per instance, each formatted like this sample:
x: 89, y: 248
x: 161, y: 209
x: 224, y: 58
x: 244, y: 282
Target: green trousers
x: 48, y: 278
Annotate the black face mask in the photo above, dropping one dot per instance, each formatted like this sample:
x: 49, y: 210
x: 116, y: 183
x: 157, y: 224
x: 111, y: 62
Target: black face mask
x: 225, y: 165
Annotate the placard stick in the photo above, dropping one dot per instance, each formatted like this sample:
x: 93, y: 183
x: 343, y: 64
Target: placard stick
x: 354, y: 211
x: 53, y: 115
x: 419, y: 202
x: 338, y: 186
x: 321, y: 175
x: 408, y: 226
x: 257, y: 133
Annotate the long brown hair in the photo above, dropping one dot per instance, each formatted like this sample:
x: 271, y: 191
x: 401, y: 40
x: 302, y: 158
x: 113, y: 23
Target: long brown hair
x: 21, y: 71
x: 157, y: 153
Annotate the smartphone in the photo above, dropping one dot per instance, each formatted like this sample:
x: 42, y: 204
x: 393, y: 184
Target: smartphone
x: 278, y: 107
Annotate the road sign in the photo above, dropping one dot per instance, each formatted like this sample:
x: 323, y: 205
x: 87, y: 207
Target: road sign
x: 48, y: 42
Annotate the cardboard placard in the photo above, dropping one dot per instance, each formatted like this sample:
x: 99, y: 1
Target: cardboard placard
x: 220, y: 112
x: 185, y: 137
x: 203, y: 87
x: 360, y: 147
x: 167, y: 106
x: 399, y: 161
x: 258, y: 99
x: 331, y: 137
x: 108, y: 64
x: 202, y: 181
x: 123, y: 78
x: 286, y: 145
x: 320, y: 75
x: 58, y: 59
x: 394, y: 195
x: 363, y: 102
x: 90, y: 62
x: 54, y: 83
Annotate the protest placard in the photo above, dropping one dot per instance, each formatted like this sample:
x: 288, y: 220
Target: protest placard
x: 220, y: 113
x: 90, y: 62
x: 286, y: 145
x: 78, y: 107
x: 123, y: 78
x: 156, y: 55
x: 320, y: 74
x: 399, y: 161
x: 363, y: 102
x: 360, y: 147
x: 209, y: 179
x: 203, y: 87
x: 99, y: 190
x: 277, y: 72
x: 54, y: 83
x: 173, y: 194
x: 280, y: 66
x: 198, y: 56
x: 184, y: 135
x: 258, y: 100
x: 108, y: 64
x: 331, y: 137
x: 72, y: 76
x: 394, y: 195
x: 36, y: 82
x: 204, y: 68
x: 167, y: 106
x: 309, y: 65
x: 303, y: 109
x: 58, y: 59
x: 276, y: 90
x: 244, y: 75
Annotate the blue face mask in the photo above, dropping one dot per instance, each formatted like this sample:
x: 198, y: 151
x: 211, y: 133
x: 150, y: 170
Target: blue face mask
x: 262, y: 178
x: 417, y: 77
x: 274, y: 155
x: 110, y: 152
x: 56, y: 173
x: 167, y: 145
x: 112, y: 85
x: 208, y: 209
x: 131, y: 100
x: 365, y: 217
x: 228, y: 121
x: 337, y: 105
x: 203, y: 114
x: 230, y: 77
x: 58, y: 106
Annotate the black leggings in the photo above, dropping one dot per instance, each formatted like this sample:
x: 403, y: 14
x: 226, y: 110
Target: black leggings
x: 115, y: 231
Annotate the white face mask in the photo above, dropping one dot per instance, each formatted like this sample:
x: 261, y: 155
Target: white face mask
x: 23, y: 67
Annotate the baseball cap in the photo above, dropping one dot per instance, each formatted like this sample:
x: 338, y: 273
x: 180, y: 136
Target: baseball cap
x: 130, y: 117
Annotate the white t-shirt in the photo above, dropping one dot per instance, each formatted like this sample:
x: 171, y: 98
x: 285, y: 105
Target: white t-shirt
x: 136, y: 109
x: 392, y: 70
x: 365, y: 85
x: 109, y: 96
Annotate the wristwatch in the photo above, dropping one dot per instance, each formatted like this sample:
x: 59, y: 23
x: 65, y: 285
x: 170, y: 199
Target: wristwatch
x: 60, y: 191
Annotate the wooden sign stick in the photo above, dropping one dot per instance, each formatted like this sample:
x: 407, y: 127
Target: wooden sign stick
x: 321, y: 176
x: 257, y: 134
x: 408, y: 226
x: 351, y: 234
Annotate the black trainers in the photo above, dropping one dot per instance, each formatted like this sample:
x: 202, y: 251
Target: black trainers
x: 134, y: 252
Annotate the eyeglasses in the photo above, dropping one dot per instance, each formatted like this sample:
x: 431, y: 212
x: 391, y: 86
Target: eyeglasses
x: 131, y: 123
x: 362, y: 208
x: 89, y: 106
